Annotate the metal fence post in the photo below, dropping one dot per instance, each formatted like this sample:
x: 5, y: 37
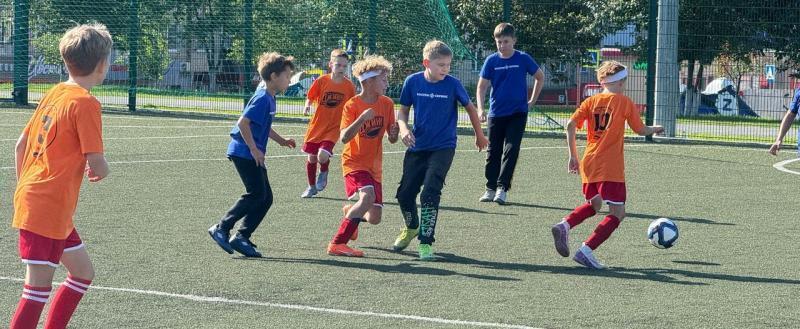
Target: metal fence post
x: 652, y: 36
x: 133, y: 67
x: 21, y: 56
x: 248, y: 48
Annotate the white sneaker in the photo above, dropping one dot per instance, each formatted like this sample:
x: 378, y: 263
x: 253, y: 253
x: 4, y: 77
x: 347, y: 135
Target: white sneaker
x: 488, y: 196
x: 501, y: 196
x: 585, y: 257
x: 309, y: 192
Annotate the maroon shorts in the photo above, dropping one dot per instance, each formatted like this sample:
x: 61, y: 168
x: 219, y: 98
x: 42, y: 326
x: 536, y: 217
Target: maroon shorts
x: 360, y: 180
x: 313, y: 148
x: 610, y: 192
x: 40, y: 250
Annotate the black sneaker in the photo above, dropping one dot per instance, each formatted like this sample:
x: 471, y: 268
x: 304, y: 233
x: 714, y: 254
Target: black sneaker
x: 220, y: 237
x: 244, y: 246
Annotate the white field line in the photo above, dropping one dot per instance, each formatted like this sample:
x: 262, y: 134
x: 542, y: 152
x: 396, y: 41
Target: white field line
x: 782, y: 166
x: 223, y: 300
x: 155, y: 137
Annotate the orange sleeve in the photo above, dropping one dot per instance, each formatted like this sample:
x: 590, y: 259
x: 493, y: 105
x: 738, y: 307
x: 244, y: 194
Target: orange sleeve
x: 89, y: 126
x: 348, y: 115
x: 581, y: 113
x: 314, y: 90
x: 390, y: 119
x: 633, y: 118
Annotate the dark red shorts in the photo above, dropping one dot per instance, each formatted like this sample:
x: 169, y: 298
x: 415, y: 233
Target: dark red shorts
x: 610, y: 192
x: 360, y: 180
x: 40, y: 250
x: 313, y: 148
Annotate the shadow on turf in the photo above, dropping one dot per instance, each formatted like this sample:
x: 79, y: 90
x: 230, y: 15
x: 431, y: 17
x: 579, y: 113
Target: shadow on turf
x: 402, y: 267
x: 630, y: 215
x: 650, y: 274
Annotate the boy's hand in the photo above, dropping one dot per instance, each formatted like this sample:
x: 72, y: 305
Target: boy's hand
x: 289, y: 143
x: 482, y: 115
x: 258, y: 156
x: 775, y: 148
x: 93, y: 177
x: 367, y: 115
x: 394, y: 130
x: 573, y: 166
x: 481, y: 142
x: 307, y: 111
x: 408, y: 138
x: 657, y: 130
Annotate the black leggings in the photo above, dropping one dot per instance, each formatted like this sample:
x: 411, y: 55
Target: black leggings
x: 424, y: 170
x: 254, y: 203
x: 505, y: 137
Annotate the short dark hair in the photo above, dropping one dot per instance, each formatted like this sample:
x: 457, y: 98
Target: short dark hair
x: 273, y: 62
x: 504, y: 30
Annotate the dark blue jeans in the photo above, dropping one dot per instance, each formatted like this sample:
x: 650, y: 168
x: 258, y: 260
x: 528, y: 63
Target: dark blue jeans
x: 425, y: 170
x: 254, y: 203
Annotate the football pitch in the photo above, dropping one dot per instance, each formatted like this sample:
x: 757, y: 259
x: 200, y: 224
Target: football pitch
x: 734, y: 266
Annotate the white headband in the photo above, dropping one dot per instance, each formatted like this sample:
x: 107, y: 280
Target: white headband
x: 369, y: 74
x: 616, y: 76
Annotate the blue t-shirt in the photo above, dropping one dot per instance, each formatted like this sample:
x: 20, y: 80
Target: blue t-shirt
x: 509, y: 82
x: 794, y: 107
x: 435, y: 110
x: 260, y: 110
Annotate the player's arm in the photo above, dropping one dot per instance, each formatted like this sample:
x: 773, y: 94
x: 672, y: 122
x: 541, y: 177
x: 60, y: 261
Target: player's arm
x: 538, y: 84
x: 480, y: 139
x: 98, y: 166
x: 273, y: 135
x: 649, y: 130
x: 402, y: 123
x: 349, y: 132
x: 572, y: 148
x: 247, y: 136
x: 788, y: 118
x: 393, y: 133
x: 480, y: 96
x: 19, y: 152
x: 307, y: 107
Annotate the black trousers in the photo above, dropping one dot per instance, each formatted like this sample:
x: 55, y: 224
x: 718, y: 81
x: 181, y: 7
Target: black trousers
x: 254, y: 203
x: 505, y: 137
x: 425, y: 170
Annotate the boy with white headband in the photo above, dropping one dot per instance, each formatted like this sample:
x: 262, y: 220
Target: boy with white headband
x: 602, y: 168
x: 365, y: 119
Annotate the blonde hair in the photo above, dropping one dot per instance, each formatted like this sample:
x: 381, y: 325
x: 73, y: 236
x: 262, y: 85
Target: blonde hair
x: 436, y: 49
x: 338, y: 53
x: 273, y: 62
x: 84, y: 47
x: 371, y: 63
x: 608, y: 68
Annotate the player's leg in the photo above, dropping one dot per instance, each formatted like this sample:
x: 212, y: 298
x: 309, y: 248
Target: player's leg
x: 414, y: 166
x: 250, y: 175
x: 262, y: 201
x: 80, y: 273
x: 311, y: 169
x: 324, y: 156
x: 439, y: 163
x: 496, y: 128
x: 514, y: 131
x: 561, y: 229
x: 363, y: 184
x: 613, y: 194
x: 41, y: 256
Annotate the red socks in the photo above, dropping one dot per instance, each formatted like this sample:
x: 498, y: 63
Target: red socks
x: 346, y: 230
x: 311, y: 172
x: 324, y: 166
x: 603, y: 231
x: 65, y: 302
x: 30, y: 307
x: 580, y: 213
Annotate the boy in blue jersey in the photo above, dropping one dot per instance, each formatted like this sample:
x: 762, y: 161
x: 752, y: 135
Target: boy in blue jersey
x: 506, y: 72
x: 431, y: 142
x: 786, y: 123
x: 246, y: 150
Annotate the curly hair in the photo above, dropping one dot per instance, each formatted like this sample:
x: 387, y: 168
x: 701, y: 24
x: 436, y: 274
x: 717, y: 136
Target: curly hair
x: 371, y: 63
x: 608, y: 68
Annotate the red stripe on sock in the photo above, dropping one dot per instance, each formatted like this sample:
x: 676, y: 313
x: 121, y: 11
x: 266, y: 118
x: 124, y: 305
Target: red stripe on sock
x: 580, y: 214
x: 311, y: 172
x: 602, y: 231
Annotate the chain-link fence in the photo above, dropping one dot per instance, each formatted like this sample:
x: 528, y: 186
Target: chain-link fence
x: 734, y: 61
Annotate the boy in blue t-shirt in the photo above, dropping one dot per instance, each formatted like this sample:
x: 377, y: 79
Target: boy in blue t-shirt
x: 431, y: 142
x: 786, y: 123
x: 506, y: 72
x: 246, y: 150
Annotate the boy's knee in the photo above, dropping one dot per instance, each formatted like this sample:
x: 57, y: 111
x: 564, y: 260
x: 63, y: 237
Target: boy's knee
x: 312, y: 158
x: 375, y: 215
x: 323, y: 157
x: 596, y: 203
x: 85, y: 273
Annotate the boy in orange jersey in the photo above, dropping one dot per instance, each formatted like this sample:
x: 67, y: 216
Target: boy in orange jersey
x: 602, y: 168
x: 366, y: 118
x: 328, y: 94
x: 62, y: 136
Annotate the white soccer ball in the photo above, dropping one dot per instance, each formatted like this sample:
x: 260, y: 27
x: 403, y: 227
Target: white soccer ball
x: 662, y: 233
